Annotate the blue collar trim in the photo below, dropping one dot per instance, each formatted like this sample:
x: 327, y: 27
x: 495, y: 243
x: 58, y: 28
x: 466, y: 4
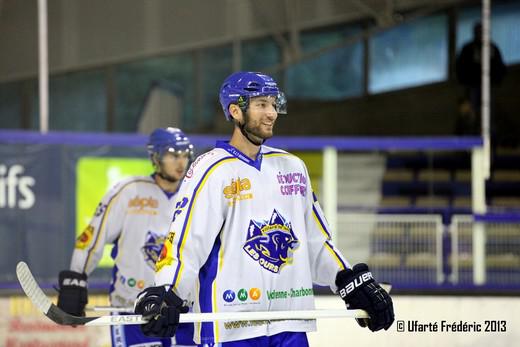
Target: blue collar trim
x: 257, y: 163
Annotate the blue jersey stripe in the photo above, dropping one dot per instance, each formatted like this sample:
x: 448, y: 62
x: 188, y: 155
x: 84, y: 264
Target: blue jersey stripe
x: 207, y: 275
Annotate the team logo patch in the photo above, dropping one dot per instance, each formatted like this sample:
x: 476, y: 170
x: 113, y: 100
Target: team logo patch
x: 233, y: 192
x: 152, y: 248
x: 85, y: 237
x: 271, y: 243
x: 165, y: 257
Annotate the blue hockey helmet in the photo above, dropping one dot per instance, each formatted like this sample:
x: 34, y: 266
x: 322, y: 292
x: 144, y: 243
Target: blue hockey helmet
x: 241, y: 86
x: 171, y: 140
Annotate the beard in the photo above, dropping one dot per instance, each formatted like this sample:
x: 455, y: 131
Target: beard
x: 258, y: 130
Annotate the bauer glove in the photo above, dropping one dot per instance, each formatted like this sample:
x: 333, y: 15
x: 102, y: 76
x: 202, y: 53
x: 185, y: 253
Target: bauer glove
x: 73, y: 293
x: 359, y: 290
x: 162, y: 309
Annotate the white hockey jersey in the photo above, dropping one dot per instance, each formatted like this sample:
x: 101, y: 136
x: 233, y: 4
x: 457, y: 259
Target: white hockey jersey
x: 135, y: 215
x: 248, y: 235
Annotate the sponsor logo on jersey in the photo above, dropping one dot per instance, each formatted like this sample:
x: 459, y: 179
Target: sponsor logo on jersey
x: 242, y: 297
x: 271, y: 243
x: 153, y: 245
x: 233, y: 192
x: 229, y: 295
x: 242, y: 294
x: 254, y: 294
x: 292, y: 183
x: 132, y: 282
x: 189, y: 173
x: 165, y: 258
x: 289, y: 294
x: 84, y: 239
x: 140, y: 205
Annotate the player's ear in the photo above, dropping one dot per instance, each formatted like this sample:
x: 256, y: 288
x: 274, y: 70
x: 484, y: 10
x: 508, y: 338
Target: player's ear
x: 235, y: 112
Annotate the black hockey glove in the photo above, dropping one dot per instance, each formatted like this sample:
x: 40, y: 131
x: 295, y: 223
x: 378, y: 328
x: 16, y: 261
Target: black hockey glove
x: 359, y: 290
x: 73, y: 294
x: 162, y: 308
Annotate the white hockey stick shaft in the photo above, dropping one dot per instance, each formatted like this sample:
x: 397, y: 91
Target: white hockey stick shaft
x: 236, y: 316
x: 109, y: 309
x: 385, y: 286
x: 45, y: 305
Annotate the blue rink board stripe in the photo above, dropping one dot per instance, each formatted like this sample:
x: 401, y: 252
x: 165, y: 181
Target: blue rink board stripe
x: 208, y: 141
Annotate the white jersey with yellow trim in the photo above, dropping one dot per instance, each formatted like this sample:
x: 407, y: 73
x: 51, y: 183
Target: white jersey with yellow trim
x: 248, y: 235
x: 135, y: 216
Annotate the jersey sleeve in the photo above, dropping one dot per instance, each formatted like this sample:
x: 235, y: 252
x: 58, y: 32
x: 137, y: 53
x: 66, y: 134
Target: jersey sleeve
x: 104, y: 227
x: 325, y: 259
x: 197, y: 220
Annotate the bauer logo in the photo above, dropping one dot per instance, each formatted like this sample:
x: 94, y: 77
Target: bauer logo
x: 271, y: 243
x: 15, y: 189
x: 228, y: 296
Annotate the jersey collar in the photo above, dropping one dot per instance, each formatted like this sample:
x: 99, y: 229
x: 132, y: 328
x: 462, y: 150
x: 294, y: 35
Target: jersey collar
x: 169, y: 195
x: 257, y: 163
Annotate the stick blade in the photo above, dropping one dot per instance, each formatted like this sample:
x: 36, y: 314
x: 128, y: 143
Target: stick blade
x: 42, y: 302
x: 31, y: 288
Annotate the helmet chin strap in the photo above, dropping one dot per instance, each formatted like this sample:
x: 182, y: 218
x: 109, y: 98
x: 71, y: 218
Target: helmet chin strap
x: 158, y: 171
x: 167, y: 177
x: 247, y: 134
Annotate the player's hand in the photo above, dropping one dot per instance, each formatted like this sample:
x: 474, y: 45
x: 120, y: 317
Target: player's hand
x: 359, y: 290
x: 162, y: 308
x: 73, y: 293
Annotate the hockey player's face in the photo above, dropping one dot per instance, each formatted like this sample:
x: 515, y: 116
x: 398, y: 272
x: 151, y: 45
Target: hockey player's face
x: 261, y: 116
x: 174, y: 165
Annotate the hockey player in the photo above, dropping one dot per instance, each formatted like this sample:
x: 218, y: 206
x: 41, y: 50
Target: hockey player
x: 135, y: 216
x: 248, y: 234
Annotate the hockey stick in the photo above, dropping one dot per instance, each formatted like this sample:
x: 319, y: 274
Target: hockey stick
x: 386, y: 286
x: 109, y: 309
x: 45, y: 305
